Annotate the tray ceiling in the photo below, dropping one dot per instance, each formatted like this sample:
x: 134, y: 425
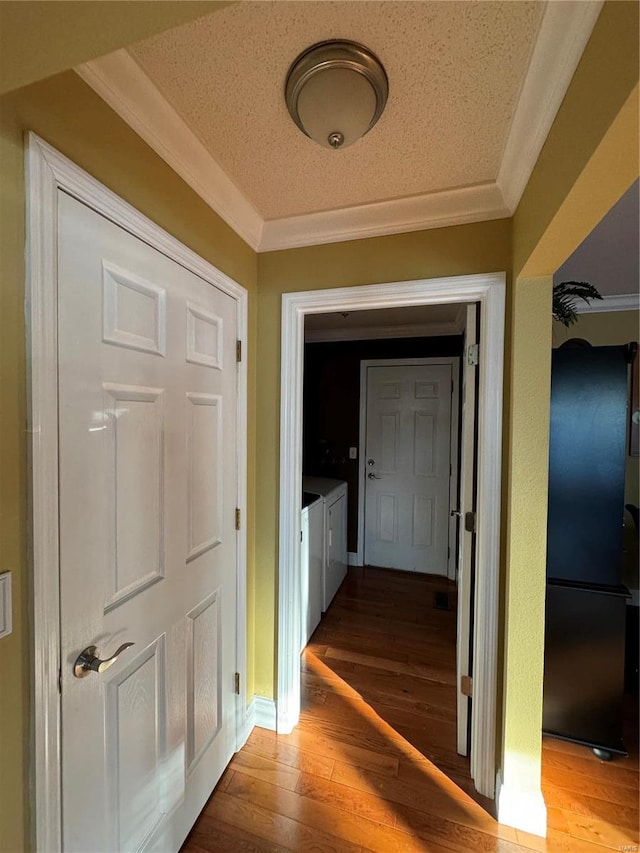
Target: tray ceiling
x: 459, y: 75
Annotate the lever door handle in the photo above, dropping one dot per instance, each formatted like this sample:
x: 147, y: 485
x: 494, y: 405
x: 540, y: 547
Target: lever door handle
x: 88, y: 661
x: 372, y: 476
x: 455, y: 513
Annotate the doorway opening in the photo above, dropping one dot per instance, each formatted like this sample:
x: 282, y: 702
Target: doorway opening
x: 592, y: 534
x: 488, y: 290
x: 408, y: 463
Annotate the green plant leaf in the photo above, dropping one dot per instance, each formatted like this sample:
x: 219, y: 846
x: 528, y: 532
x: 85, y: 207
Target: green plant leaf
x: 565, y: 296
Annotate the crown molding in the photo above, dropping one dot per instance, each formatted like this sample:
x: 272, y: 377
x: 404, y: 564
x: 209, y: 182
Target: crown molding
x: 564, y: 33
x: 617, y: 302
x: 415, y: 213
x: 120, y: 81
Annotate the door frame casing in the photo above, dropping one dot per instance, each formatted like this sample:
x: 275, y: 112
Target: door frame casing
x: 454, y: 362
x: 466, y: 503
x: 489, y: 290
x: 47, y: 173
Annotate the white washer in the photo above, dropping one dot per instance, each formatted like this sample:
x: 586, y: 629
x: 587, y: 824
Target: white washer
x: 311, y: 565
x: 334, y: 496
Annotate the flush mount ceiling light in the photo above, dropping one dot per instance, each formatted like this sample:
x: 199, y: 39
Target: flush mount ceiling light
x: 336, y: 92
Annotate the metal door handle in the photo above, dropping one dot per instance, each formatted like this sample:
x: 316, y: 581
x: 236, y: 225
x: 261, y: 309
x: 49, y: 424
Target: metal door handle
x: 88, y: 661
x: 455, y: 513
x: 372, y: 476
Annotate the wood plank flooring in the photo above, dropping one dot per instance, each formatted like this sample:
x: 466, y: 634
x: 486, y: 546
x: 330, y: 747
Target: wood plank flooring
x: 373, y: 764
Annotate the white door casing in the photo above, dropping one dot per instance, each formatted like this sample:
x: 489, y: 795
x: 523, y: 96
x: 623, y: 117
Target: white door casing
x: 465, y: 538
x: 489, y: 290
x: 135, y: 400
x: 407, y: 464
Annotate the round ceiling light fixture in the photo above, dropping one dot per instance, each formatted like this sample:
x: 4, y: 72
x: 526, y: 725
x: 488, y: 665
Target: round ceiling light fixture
x: 336, y: 92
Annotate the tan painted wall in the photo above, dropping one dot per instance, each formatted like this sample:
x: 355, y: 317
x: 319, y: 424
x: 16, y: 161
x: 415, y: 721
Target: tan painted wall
x: 65, y: 112
x: 467, y: 249
x: 39, y: 38
x: 601, y: 329
x: 526, y: 531
x: 589, y: 160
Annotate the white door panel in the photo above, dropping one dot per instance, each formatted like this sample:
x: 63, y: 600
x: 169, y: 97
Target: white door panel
x: 147, y: 390
x: 408, y: 451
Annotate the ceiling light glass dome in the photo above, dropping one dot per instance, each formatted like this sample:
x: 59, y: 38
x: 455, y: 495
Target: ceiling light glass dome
x: 335, y: 92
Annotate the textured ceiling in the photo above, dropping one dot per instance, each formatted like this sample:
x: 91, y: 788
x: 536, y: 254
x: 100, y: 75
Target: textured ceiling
x: 455, y: 72
x: 609, y: 257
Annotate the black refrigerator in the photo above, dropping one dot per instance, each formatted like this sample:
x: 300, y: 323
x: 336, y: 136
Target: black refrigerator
x: 586, y: 601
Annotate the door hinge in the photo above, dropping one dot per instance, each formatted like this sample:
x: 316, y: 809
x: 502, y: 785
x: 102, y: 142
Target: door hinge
x: 448, y: 552
x: 466, y: 685
x: 473, y: 354
x: 60, y: 680
x: 470, y: 522
x: 237, y: 683
x: 238, y: 350
x: 237, y: 519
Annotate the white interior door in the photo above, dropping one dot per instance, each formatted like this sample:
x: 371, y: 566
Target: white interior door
x: 466, y: 539
x: 407, y: 467
x: 147, y: 391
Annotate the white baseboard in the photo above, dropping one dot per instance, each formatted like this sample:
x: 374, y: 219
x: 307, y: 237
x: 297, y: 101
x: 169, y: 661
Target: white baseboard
x: 259, y: 712
x: 264, y: 712
x: 522, y: 809
x: 353, y: 559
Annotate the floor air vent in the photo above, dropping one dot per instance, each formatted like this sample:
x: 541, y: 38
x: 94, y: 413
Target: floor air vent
x: 441, y: 601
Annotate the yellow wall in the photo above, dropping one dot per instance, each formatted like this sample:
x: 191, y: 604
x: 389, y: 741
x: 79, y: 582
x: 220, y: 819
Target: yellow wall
x: 39, y: 38
x: 466, y: 249
x: 526, y: 532
x: 589, y: 160
x: 602, y: 329
x: 65, y: 112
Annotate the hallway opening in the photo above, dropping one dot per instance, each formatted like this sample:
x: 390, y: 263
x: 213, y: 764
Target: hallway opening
x: 372, y: 765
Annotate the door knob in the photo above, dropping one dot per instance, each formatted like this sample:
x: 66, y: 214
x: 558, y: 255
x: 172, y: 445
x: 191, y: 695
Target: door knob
x: 371, y: 461
x: 88, y: 661
x: 372, y: 476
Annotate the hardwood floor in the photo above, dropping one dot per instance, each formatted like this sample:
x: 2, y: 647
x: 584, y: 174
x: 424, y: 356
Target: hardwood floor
x: 373, y: 764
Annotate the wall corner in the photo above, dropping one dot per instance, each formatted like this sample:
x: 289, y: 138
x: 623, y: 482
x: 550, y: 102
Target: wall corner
x: 521, y: 808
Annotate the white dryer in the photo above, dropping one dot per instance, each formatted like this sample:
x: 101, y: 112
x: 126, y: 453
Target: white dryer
x: 334, y: 497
